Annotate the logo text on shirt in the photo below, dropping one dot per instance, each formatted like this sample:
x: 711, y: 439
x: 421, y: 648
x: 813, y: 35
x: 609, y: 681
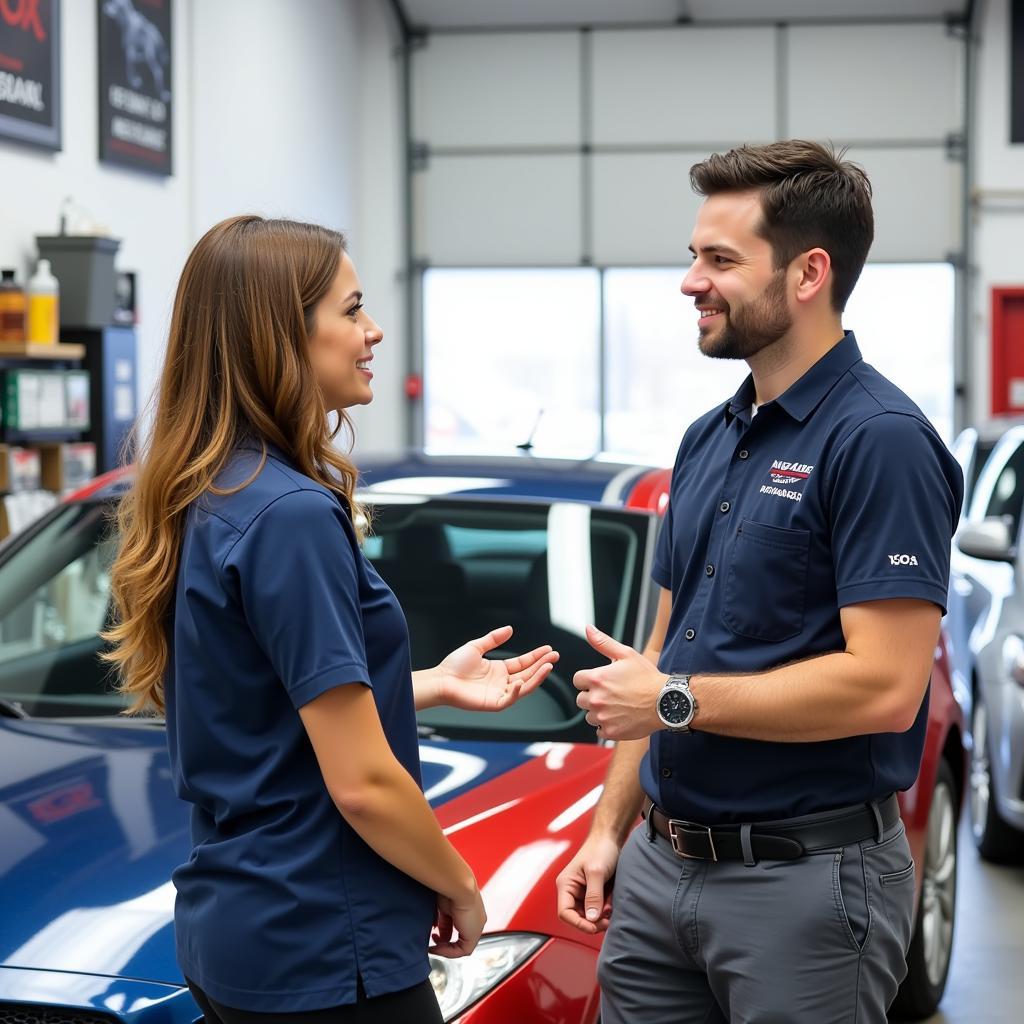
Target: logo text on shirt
x: 903, y: 559
x: 781, y: 492
x: 789, y: 472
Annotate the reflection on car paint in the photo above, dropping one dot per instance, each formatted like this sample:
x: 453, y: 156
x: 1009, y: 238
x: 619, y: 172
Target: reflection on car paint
x: 520, y: 872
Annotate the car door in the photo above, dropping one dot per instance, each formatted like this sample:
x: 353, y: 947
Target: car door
x: 978, y: 586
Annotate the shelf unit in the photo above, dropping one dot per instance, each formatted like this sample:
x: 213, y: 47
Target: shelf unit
x: 33, y: 350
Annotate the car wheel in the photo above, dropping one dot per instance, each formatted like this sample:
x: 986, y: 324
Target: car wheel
x: 932, y: 943
x: 996, y: 841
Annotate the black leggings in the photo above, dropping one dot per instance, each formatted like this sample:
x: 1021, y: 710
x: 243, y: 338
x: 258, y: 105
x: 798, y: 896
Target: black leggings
x: 416, y: 1005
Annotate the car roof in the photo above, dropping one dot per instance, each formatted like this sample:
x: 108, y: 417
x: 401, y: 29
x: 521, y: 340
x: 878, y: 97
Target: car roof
x: 596, y: 481
x: 593, y: 480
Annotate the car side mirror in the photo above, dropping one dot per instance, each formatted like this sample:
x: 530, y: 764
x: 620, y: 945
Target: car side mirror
x: 990, y: 539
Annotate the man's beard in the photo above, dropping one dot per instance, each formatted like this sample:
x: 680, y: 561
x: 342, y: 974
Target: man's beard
x: 753, y: 326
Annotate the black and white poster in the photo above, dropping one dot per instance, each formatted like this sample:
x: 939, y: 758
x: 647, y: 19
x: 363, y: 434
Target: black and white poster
x: 30, y: 71
x: 135, y: 84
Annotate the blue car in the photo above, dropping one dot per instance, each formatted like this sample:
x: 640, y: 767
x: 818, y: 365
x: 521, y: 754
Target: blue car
x: 91, y: 828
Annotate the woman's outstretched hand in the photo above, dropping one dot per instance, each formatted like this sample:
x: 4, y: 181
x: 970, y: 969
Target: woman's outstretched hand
x: 468, y: 680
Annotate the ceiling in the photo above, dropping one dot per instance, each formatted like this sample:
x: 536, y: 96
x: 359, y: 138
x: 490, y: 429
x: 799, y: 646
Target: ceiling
x: 439, y: 14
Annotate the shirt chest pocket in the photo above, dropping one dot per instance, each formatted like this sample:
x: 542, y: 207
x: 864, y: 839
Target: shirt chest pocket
x: 766, y: 582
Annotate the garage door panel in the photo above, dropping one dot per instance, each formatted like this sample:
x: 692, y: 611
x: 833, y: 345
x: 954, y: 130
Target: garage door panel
x: 873, y: 82
x: 916, y: 201
x: 678, y: 85
x: 643, y: 207
x: 486, y: 90
x: 499, y: 210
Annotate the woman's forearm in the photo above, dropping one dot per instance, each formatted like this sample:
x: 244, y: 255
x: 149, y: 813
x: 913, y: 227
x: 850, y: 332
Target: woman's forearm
x: 392, y: 816
x: 426, y: 689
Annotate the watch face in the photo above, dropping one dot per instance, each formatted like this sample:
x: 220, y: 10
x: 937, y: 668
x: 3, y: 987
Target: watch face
x: 675, y: 706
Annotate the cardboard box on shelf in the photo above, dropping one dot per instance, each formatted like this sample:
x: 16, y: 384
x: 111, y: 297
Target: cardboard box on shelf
x: 20, y: 469
x: 46, y: 400
x: 19, y: 510
x: 68, y: 466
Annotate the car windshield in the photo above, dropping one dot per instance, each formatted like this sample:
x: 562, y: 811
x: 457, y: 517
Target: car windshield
x: 458, y: 567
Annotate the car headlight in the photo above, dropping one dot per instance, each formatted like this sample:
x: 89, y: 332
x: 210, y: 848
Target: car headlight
x: 460, y: 983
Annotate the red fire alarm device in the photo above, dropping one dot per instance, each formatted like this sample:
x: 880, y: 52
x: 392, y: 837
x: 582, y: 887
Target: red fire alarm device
x: 1007, y: 351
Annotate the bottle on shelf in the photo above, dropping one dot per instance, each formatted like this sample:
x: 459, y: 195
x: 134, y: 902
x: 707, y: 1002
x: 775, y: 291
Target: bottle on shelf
x: 43, y: 305
x: 12, y: 307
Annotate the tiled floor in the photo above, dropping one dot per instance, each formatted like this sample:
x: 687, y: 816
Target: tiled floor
x: 986, y: 982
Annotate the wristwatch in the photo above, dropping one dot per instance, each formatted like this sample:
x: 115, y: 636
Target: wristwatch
x: 676, y: 704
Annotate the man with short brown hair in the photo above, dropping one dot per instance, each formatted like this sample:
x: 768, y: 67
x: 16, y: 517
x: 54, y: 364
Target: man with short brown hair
x: 781, y: 700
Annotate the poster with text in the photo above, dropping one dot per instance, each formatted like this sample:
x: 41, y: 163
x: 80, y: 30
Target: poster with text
x: 30, y: 71
x: 135, y: 84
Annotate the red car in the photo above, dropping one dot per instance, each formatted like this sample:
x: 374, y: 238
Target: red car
x: 93, y: 828
x: 519, y: 830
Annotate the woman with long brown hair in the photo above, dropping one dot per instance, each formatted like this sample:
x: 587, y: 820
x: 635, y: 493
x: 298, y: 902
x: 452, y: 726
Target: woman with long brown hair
x: 244, y: 611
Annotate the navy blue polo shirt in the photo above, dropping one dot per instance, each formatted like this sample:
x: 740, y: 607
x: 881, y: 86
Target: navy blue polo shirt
x: 281, y: 904
x: 838, y: 492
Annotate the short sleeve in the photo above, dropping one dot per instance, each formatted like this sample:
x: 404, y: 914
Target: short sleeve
x: 661, y: 569
x: 296, y: 571
x: 895, y: 495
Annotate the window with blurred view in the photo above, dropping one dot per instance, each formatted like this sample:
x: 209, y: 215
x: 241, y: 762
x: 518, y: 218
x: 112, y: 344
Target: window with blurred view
x: 584, y: 361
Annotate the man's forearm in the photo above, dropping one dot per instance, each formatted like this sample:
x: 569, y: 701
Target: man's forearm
x: 623, y: 795
x: 824, y: 698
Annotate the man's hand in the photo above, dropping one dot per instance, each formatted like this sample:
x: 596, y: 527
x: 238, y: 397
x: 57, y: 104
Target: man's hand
x: 619, y: 698
x: 584, y: 886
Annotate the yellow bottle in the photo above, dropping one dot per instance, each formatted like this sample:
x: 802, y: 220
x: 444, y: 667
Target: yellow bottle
x: 43, y: 305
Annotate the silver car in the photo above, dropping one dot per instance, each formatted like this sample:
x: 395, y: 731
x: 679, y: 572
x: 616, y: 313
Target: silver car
x: 986, y: 630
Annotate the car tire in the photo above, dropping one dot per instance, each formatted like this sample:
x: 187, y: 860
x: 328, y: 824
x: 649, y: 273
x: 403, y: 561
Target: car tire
x: 931, y: 945
x: 996, y: 841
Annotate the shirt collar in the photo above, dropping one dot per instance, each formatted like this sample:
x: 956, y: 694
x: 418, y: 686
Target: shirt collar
x: 802, y: 397
x: 256, y: 444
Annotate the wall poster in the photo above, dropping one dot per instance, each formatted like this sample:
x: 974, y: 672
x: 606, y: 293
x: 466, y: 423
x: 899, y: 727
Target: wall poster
x: 135, y: 84
x: 30, y: 71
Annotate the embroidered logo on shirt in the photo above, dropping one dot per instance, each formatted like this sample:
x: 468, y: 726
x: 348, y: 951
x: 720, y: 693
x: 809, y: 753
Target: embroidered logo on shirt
x: 786, y: 473
x: 789, y: 472
x: 903, y: 559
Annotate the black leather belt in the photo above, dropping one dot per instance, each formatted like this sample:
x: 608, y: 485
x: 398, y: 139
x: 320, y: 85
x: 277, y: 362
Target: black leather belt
x: 775, y: 840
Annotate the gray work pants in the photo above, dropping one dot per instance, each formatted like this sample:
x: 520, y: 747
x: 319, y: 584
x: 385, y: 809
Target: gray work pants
x: 818, y: 940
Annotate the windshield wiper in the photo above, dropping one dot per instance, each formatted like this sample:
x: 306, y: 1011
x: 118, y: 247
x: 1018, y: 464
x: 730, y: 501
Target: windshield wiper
x: 12, y: 709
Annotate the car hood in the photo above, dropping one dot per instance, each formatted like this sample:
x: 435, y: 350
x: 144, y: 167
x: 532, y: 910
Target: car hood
x: 91, y: 830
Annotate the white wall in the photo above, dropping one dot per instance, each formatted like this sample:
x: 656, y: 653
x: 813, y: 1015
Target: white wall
x: 149, y: 214
x: 282, y: 109
x: 376, y: 230
x: 999, y: 184
x: 274, y: 110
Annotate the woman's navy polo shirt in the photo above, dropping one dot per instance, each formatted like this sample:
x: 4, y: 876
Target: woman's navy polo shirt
x: 281, y: 904
x: 838, y: 492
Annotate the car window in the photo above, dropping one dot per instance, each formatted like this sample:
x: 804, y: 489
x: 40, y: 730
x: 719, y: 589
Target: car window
x: 1007, y: 494
x: 462, y: 569
x: 54, y: 600
x: 458, y: 568
x: 981, y: 452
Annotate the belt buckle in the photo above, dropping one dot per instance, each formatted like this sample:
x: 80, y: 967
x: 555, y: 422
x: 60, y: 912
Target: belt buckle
x: 679, y: 830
